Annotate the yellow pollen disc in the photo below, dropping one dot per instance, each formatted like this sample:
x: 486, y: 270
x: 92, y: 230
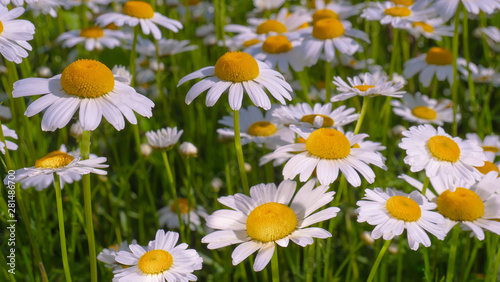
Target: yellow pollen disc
x: 403, y: 208
x: 492, y: 149
x: 92, y: 32
x: 397, y: 11
x: 301, y: 140
x: 424, y: 112
x: 87, y: 79
x: 55, y: 159
x: 324, y: 14
x: 250, y: 42
x: 327, y: 121
x: 236, y: 67
x: 155, y: 262
x: 193, y: 2
x: 364, y: 87
x: 183, y: 206
x: 111, y: 26
x: 439, y: 56
x: 443, y: 148
x: 271, y: 26
x: 321, y: 84
x: 138, y: 9
x: 328, y: 143
x: 304, y: 25
x: 270, y: 222
x: 262, y: 128
x: 277, y: 44
x: 1, y: 27
x: 114, y: 247
x: 487, y: 167
x: 328, y: 29
x: 406, y: 3
x: 356, y: 146
x: 461, y: 205
x: 424, y: 26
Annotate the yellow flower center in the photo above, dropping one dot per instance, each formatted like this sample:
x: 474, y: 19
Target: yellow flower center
x: 403, y: 208
x: 328, y: 29
x: 328, y: 143
x: 250, y: 42
x: 155, y: 261
x: 277, y: 44
x: 301, y: 140
x: 111, y: 26
x: 364, y: 87
x: 443, y: 148
x: 327, y: 121
x: 461, y: 205
x: 55, y: 159
x: 424, y: 26
x: 324, y: 14
x: 492, y: 149
x: 424, y: 112
x: 236, y: 67
x: 1, y: 27
x: 271, y: 26
x: 487, y: 167
x: 356, y: 146
x: 304, y: 25
x: 193, y: 2
x: 270, y: 222
x: 439, y: 56
x: 406, y: 3
x: 183, y: 206
x: 92, y: 32
x: 138, y: 9
x: 87, y: 79
x: 397, y: 11
x: 262, y: 128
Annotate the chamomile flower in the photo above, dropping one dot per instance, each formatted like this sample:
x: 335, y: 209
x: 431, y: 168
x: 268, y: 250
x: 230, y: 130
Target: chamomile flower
x: 269, y: 217
x: 447, y: 8
x: 262, y: 5
x: 367, y: 84
x: 164, y: 139
x: 139, y: 12
x: 188, y: 150
x: 479, y: 74
x: 166, y: 47
x: 422, y: 109
x: 93, y: 37
x: 490, y: 144
x: 160, y: 261
x: 392, y: 212
x: 430, y: 28
x: 257, y: 128
x: 16, y: 2
x: 14, y: 34
x: 333, y: 9
x: 122, y: 71
x: 87, y: 85
x: 278, y: 52
x: 94, y: 5
x: 399, y: 16
x: 441, y: 155
x: 492, y: 36
x: 46, y: 7
x: 107, y: 255
x: 167, y: 216
x: 239, y: 72
x: 7, y: 132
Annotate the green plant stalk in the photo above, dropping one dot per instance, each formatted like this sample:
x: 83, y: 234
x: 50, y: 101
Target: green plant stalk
x: 303, y: 83
x: 395, y: 51
x: 496, y: 266
x: 239, y: 152
x: 328, y: 81
x: 62, y: 233
x: 173, y: 190
x: 426, y: 184
x: 158, y: 72
x: 470, y: 82
x: 453, y: 253
x: 378, y: 260
x: 275, y: 266
x: 309, y: 267
x: 133, y: 55
x: 366, y: 105
x: 454, y: 86
x: 472, y: 259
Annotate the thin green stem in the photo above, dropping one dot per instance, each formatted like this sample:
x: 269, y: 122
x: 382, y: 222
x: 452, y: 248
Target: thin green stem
x: 426, y: 184
x: 366, y: 104
x: 454, y: 86
x: 133, y: 55
x: 62, y: 233
x: 305, y: 87
x: 328, y: 81
x: 496, y: 266
x: 173, y: 190
x: 453, y: 254
x: 395, y: 50
x: 378, y: 260
x: 470, y: 81
x: 275, y: 266
x: 239, y: 152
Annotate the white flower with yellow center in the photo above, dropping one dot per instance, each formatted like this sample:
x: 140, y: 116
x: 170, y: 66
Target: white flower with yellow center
x: 87, y: 85
x: 93, y: 37
x: 327, y: 36
x: 167, y: 216
x: 475, y: 206
x: 95, y: 5
x: 164, y: 139
x: 267, y: 4
x: 490, y: 144
x: 479, y: 74
x: 257, y: 128
x: 269, y: 217
x: 14, y: 34
x: 397, y: 14
x: 107, y: 255
x: 447, y: 8
x: 333, y: 9
x: 437, y: 61
x: 392, y: 212
x: 430, y: 28
x: 239, y: 72
x: 7, y: 132
x: 166, y: 47
x: 328, y: 151
x: 46, y: 7
x: 367, y: 84
x: 441, y: 155
x: 160, y: 261
x: 422, y: 109
x: 278, y: 52
x: 139, y: 12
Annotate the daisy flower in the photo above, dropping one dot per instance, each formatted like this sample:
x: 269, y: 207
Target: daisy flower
x: 392, y: 212
x: 328, y: 151
x: 437, y: 61
x: 269, y: 217
x: 139, y: 12
x: 90, y: 86
x: 167, y: 216
x: 46, y: 7
x: 94, y: 5
x: 440, y: 154
x: 492, y: 36
x: 257, y: 128
x: 430, y: 28
x: 318, y: 116
x: 160, y: 261
x: 239, y: 72
x: 122, y: 71
x: 479, y: 74
x: 490, y: 144
x: 366, y: 84
x: 422, y: 109
x: 166, y: 47
x: 399, y: 16
x: 14, y: 34
x: 337, y: 10
x: 278, y: 52
x: 262, y: 5
x: 107, y: 256
x: 5, y: 114
x: 447, y: 8
x: 7, y: 132
x: 93, y: 37
x: 16, y: 2
x: 327, y: 36
x: 475, y: 206
x: 188, y: 150
x: 164, y: 139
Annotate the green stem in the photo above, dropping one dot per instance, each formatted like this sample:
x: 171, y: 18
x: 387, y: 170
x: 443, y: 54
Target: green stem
x: 275, y: 266
x: 366, y: 104
x: 470, y: 82
x: 171, y: 183
x: 453, y: 254
x: 328, y: 81
x: 239, y: 152
x: 426, y: 184
x: 62, y: 233
x: 378, y: 260
x: 427, y: 266
x: 133, y: 55
x: 305, y: 87
x: 395, y: 50
x: 454, y: 86
x: 496, y: 266
x: 158, y: 71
